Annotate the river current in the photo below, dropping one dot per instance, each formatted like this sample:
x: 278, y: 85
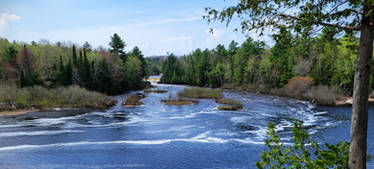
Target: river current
x: 160, y: 136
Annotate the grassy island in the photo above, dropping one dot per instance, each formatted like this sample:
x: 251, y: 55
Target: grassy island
x: 201, y: 93
x: 230, y: 104
x: 134, y: 100
x: 179, y: 101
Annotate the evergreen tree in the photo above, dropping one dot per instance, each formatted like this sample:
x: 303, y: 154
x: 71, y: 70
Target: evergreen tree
x: 61, y: 75
x: 80, y: 60
x: 117, y: 46
x: 104, y: 77
x: 87, y: 46
x: 27, y: 68
x: 74, y: 56
x: 231, y: 52
x: 68, y: 75
x: 282, y: 57
x: 87, y: 71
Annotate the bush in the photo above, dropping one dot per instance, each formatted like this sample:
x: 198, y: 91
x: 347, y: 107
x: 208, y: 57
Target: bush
x: 299, y: 155
x: 298, y: 85
x: 324, y: 95
x: 201, y: 93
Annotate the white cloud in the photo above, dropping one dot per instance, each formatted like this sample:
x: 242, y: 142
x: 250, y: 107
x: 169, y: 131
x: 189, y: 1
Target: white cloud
x: 5, y: 19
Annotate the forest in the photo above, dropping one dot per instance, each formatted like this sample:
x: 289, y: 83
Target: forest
x: 295, y: 63
x: 112, y: 71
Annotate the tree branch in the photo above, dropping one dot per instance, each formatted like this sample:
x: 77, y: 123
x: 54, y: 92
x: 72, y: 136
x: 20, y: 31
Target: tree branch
x: 350, y: 28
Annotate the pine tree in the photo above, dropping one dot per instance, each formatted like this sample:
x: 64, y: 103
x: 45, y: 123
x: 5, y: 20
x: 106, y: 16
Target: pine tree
x: 87, y: 71
x: 104, y: 77
x: 87, y: 46
x: 75, y: 61
x: 282, y: 56
x: 68, y: 74
x: 80, y: 60
x: 117, y: 47
x: 231, y: 52
x: 61, y: 73
x: 27, y: 67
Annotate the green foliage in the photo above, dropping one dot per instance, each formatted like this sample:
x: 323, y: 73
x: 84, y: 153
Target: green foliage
x: 303, y: 154
x: 171, y: 70
x: 328, y: 60
x: 60, y: 65
x: 133, y: 73
x: 281, y: 56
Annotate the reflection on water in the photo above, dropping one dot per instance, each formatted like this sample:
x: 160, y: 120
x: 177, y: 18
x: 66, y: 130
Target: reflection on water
x: 159, y: 136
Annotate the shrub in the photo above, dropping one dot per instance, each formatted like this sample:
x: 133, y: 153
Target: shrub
x: 324, y: 95
x: 7, y: 94
x: 298, y: 85
x: 37, y: 96
x: 201, y: 93
x: 299, y: 155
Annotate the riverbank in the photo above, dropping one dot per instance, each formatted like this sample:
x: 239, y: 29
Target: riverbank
x: 17, y: 112
x: 320, y: 98
x: 15, y: 100
x: 320, y: 95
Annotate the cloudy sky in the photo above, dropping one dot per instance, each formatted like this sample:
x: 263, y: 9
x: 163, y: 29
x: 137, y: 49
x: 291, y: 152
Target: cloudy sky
x: 155, y: 26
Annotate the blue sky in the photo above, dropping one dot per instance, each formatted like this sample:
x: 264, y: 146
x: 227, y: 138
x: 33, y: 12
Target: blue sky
x: 155, y: 26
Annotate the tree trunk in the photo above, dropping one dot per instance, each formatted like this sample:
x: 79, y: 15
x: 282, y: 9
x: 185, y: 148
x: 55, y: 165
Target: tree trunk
x: 359, y: 121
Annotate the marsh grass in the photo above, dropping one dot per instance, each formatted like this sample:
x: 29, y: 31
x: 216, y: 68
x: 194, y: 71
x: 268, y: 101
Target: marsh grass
x: 201, y: 93
x: 179, y: 101
x: 230, y: 104
x: 134, y: 100
x: 12, y: 97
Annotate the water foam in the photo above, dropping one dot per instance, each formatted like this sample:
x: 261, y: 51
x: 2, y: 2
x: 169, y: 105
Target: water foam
x: 201, y: 138
x: 37, y: 133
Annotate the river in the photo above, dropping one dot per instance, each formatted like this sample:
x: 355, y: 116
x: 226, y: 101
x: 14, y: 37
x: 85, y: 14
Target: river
x: 159, y: 136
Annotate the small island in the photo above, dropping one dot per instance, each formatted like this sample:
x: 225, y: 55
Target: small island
x: 155, y: 91
x: 179, y: 101
x: 229, y: 104
x: 134, y: 100
x: 201, y: 93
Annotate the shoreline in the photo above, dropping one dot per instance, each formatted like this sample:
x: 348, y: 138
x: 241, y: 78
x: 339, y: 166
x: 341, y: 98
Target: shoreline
x: 17, y: 112
x: 344, y: 101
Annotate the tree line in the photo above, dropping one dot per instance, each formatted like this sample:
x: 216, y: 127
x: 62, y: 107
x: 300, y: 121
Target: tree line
x: 329, y: 58
x: 111, y: 71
